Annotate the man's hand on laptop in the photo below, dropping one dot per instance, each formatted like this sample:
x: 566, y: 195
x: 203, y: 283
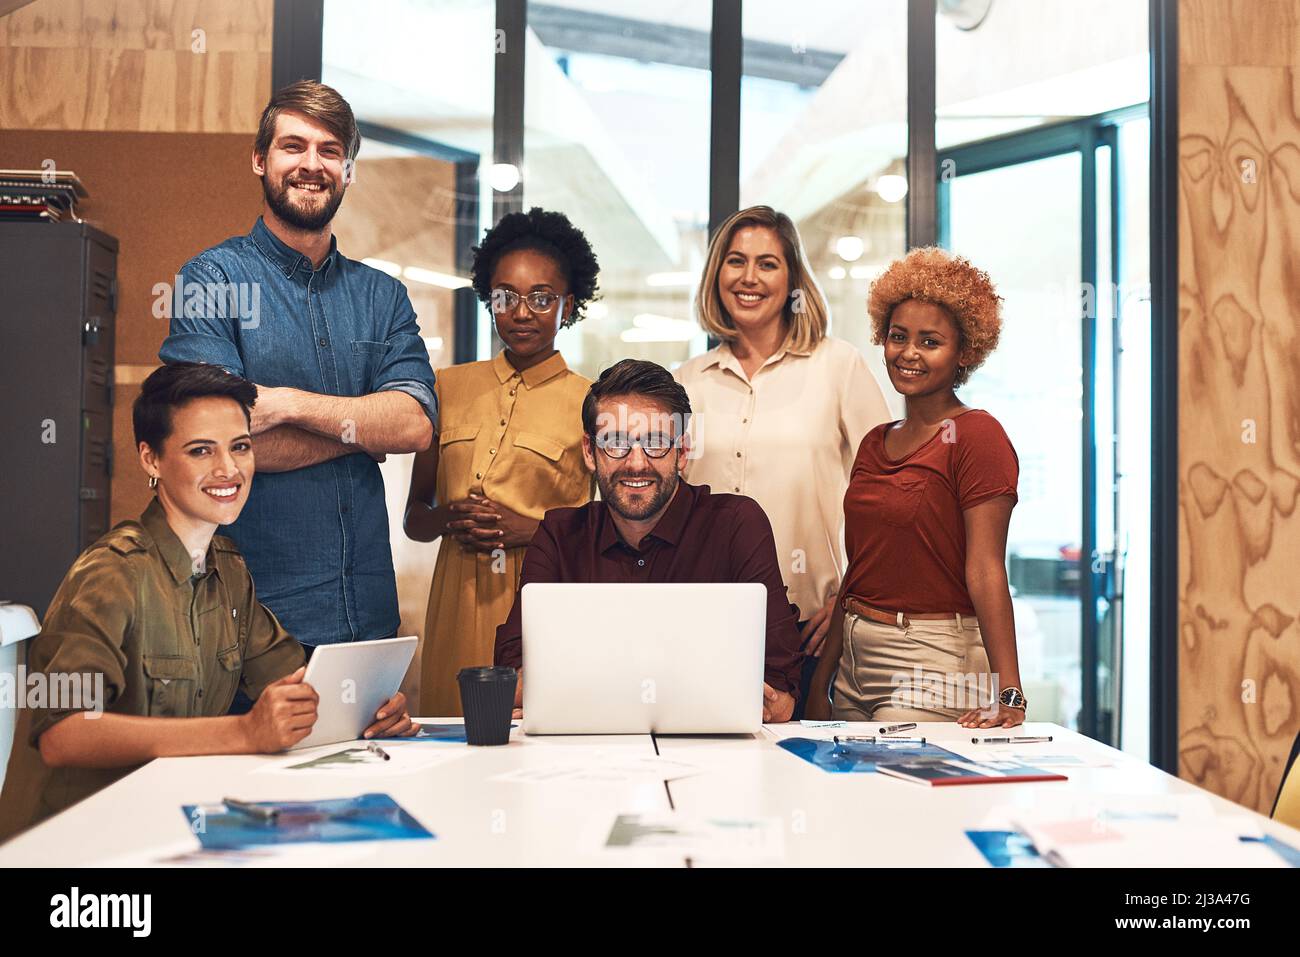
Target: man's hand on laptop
x: 392, y: 720
x: 778, y: 706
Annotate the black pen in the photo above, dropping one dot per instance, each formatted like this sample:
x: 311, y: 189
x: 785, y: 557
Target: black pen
x: 260, y: 812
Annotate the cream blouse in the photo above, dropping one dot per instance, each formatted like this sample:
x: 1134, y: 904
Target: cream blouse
x: 787, y: 439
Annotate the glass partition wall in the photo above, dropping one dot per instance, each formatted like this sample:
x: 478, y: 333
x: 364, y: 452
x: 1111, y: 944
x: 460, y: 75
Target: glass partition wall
x: 1041, y: 135
x: 1039, y: 172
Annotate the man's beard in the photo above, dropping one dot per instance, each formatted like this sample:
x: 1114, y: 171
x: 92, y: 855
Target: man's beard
x: 614, y: 495
x: 286, y: 210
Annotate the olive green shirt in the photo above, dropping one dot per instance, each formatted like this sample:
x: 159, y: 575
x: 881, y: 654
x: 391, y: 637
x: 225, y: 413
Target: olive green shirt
x: 171, y: 636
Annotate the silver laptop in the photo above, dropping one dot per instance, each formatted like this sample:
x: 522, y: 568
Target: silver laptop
x: 636, y: 658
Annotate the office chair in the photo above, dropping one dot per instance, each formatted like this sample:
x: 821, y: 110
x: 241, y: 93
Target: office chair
x: 1286, y: 806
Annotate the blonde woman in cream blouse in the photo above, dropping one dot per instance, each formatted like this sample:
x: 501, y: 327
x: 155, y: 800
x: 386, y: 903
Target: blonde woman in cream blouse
x: 779, y: 407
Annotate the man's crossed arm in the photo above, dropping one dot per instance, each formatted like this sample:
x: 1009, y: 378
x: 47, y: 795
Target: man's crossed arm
x: 293, y: 429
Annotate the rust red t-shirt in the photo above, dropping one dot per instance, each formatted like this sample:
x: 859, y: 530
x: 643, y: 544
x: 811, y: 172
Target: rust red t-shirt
x: 903, y: 525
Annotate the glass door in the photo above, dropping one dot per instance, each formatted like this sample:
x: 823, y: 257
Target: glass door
x: 1024, y: 207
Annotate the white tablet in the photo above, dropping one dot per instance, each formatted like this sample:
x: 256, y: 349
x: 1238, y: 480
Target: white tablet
x: 353, y: 679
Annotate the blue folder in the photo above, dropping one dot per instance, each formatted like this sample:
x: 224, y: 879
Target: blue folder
x: 367, y: 817
x: 850, y: 757
x: 1013, y: 849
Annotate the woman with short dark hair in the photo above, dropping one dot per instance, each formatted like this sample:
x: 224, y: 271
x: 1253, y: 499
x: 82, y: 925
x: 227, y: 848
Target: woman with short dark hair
x: 156, y: 625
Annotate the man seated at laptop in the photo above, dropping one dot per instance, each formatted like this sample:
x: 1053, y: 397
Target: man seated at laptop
x: 652, y: 526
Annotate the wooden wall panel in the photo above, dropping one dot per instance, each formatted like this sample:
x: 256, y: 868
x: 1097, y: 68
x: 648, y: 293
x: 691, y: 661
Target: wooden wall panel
x: 1238, y: 33
x: 147, y: 65
x: 165, y: 196
x: 1239, y: 394
x: 114, y: 89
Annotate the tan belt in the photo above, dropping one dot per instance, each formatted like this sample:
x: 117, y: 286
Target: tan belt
x: 863, y: 610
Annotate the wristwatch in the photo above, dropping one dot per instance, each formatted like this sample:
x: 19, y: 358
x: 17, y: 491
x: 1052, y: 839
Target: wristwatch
x: 1013, y: 697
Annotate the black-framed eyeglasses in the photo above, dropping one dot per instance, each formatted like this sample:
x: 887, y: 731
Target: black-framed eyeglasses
x: 618, y: 446
x: 539, y: 301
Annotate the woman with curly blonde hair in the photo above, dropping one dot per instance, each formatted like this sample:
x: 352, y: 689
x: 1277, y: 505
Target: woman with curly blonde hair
x: 926, y: 631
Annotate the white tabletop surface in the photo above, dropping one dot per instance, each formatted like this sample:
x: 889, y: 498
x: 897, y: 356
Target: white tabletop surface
x: 827, y: 819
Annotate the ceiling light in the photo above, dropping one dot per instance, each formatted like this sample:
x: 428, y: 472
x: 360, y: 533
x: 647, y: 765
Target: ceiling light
x: 647, y: 327
x: 891, y: 188
x: 503, y: 177
x: 670, y: 279
x: 431, y: 278
x: 850, y: 248
x: 866, y: 272
x: 383, y: 265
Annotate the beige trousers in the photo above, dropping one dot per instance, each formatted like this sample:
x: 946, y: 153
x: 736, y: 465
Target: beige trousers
x: 926, y: 671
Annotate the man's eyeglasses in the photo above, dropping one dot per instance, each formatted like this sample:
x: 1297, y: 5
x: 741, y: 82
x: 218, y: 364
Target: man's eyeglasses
x: 618, y: 446
x: 539, y: 301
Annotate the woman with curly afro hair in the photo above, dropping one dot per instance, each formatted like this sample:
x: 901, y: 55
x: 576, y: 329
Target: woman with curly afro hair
x: 509, y: 443
x: 925, y: 609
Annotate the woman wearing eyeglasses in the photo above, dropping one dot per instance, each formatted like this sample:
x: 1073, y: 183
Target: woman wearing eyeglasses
x: 509, y: 443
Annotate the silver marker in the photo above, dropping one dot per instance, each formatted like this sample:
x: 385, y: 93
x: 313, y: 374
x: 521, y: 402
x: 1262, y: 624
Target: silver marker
x: 895, y: 728
x: 1030, y: 740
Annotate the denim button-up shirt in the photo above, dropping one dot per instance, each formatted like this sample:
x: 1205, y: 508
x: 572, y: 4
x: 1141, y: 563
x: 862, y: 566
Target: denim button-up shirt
x: 315, y: 539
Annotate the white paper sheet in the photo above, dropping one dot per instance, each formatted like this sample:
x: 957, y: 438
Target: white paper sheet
x: 709, y: 840
x: 601, y: 768
x: 354, y: 759
x: 1024, y: 755
x: 1142, y: 830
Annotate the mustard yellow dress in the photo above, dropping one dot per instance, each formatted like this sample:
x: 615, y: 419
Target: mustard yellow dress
x: 516, y: 438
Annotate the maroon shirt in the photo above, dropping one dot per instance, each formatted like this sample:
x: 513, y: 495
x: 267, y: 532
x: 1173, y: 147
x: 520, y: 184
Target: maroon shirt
x: 904, y: 522
x: 701, y: 537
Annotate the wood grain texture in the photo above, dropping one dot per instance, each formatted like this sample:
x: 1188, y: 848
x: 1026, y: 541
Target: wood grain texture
x: 1239, y: 401
x: 165, y: 196
x: 1238, y: 33
x: 148, y: 65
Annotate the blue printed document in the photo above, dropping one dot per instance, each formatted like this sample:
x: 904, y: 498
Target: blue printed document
x: 367, y: 817
x: 854, y: 756
x: 1013, y: 849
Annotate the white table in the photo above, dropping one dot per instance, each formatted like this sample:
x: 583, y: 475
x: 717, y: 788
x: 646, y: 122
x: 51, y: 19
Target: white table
x: 829, y: 819
x: 865, y: 820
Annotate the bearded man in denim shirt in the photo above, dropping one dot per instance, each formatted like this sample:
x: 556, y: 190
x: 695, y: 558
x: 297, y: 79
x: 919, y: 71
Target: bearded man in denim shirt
x: 343, y: 377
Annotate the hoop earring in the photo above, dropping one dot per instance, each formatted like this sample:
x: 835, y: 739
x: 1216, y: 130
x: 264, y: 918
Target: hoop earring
x: 153, y: 481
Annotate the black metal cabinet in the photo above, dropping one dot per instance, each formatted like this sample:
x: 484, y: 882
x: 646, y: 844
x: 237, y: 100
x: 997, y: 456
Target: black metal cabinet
x: 58, y: 299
